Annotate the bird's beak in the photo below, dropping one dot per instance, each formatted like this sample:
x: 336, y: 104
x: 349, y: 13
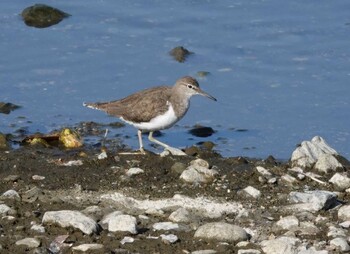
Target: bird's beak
x: 201, y: 92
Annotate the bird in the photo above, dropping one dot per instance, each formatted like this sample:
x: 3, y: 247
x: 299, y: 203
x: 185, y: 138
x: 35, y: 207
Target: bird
x: 154, y: 109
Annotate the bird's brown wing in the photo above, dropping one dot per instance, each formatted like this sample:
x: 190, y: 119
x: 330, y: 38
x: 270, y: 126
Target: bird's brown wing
x: 139, y: 107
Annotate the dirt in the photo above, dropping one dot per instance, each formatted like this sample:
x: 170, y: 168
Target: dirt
x: 97, y: 176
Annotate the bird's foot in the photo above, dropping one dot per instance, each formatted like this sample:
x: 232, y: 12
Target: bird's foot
x: 173, y: 151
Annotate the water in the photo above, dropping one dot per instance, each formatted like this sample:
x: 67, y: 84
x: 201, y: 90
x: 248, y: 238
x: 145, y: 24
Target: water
x: 280, y: 70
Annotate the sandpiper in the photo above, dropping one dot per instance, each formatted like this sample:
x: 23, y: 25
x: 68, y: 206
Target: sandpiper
x: 153, y: 109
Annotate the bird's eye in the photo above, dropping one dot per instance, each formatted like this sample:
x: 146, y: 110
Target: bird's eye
x: 190, y: 86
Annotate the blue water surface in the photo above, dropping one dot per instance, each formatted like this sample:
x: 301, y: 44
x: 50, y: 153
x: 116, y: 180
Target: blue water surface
x: 279, y: 69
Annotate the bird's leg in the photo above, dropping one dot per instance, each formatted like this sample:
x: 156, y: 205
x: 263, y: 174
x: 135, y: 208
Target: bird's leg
x: 172, y: 150
x: 139, y: 134
x: 142, y: 151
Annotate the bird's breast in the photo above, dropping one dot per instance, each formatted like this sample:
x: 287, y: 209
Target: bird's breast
x: 160, y: 122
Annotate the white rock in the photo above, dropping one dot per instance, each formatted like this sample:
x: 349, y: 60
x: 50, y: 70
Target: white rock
x: 312, y: 250
x: 205, y: 207
x: 288, y: 179
x: 127, y: 239
x: 288, y: 222
x: 200, y: 163
x: 285, y: 245
x: 307, y: 154
x: 68, y: 218
x: 107, y: 218
x: 11, y: 194
x: 336, y: 232
x: 73, y: 163
x: 181, y: 215
x: 204, y: 252
x: 255, y: 193
x: 38, y: 177
x: 263, y: 171
x: 341, y: 243
x: 102, y: 155
x: 88, y: 247
x: 249, y: 251
x: 170, y: 238
x: 165, y: 226
x: 341, y: 181
x: 326, y: 163
x: 344, y: 213
x: 29, y: 242
x: 38, y: 228
x: 316, y: 200
x: 120, y: 223
x: 134, y: 171
x: 308, y: 228
x: 198, y: 174
x: 345, y: 224
x: 221, y: 231
x: 4, y: 209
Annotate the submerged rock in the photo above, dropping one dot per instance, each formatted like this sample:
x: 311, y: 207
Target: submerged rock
x: 201, y: 131
x: 6, y: 108
x: 41, y: 16
x: 180, y: 53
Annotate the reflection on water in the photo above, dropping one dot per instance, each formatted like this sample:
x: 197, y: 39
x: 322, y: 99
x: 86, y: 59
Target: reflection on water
x: 279, y: 70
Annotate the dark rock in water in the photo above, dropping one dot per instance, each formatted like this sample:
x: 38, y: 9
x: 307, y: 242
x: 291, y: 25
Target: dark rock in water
x: 180, y: 53
x: 202, y: 132
x: 41, y: 16
x: 202, y: 74
x: 6, y: 108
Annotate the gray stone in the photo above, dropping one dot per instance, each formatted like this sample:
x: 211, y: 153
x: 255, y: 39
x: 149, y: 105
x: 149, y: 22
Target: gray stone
x: 68, y: 218
x: 263, y: 171
x: 120, y: 223
x: 221, y: 231
x: 340, y: 181
x: 327, y: 163
x: 344, y: 213
x: 249, y: 251
x: 200, y: 163
x: 29, y: 242
x: 134, y: 171
x: 285, y: 245
x: 127, y: 239
x: 38, y: 228
x: 4, y: 209
x: 251, y: 191
x: 307, y: 154
x: 88, y: 247
x: 204, y: 252
x: 336, y: 232
x: 288, y: 179
x: 11, y: 194
x: 316, y: 200
x: 340, y: 243
x: 178, y: 167
x: 312, y: 250
x: 165, y: 226
x: 198, y: 174
x: 170, y: 238
x: 288, y: 222
x: 181, y: 215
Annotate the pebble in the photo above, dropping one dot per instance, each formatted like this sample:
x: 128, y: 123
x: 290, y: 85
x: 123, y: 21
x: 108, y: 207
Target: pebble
x: 312, y: 250
x: 284, y: 244
x: 340, y: 181
x: 204, y: 252
x: 134, y: 171
x: 127, y: 239
x: 38, y: 178
x: 198, y: 174
x: 288, y: 222
x: 314, y: 200
x: 344, y: 213
x: 336, y: 232
x: 88, y: 247
x: 288, y: 179
x: 120, y: 223
x: 255, y: 193
x: 4, y: 209
x: 102, y: 156
x: 69, y: 218
x: 38, y: 228
x: 165, y: 226
x: 170, y: 238
x: 11, y: 194
x: 178, y: 167
x: 341, y: 243
x: 307, y: 154
x: 29, y: 242
x: 12, y: 178
x: 263, y: 171
x: 221, y: 231
x: 249, y: 251
x: 181, y: 215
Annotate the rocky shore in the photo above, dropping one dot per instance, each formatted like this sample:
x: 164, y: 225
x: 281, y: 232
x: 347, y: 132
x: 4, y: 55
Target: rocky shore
x: 85, y: 200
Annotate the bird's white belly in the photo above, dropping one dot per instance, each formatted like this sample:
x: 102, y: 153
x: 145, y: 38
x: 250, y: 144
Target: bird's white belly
x: 160, y: 122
